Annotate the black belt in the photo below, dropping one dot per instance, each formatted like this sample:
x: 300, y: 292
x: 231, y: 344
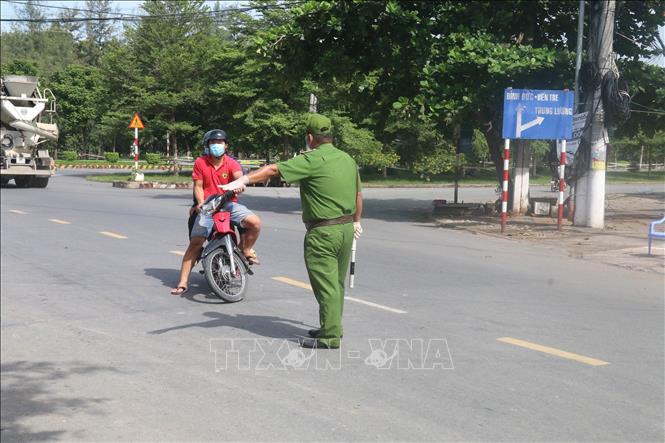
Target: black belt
x: 329, y: 222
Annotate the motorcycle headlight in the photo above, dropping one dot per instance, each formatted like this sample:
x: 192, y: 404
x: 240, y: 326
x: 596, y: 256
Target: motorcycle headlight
x: 209, y: 208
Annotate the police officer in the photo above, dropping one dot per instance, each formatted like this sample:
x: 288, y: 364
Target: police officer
x: 331, y: 199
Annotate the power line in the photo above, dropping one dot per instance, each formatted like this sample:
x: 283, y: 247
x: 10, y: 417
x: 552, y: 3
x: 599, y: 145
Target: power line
x: 648, y: 112
x: 646, y: 107
x: 134, y: 18
x: 41, y: 5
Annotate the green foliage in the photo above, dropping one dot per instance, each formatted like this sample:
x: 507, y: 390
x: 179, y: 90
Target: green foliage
x: 361, y: 144
x: 80, y: 97
x: 441, y: 159
x: 68, y: 156
x: 480, y: 150
x: 152, y: 158
x: 396, y: 77
x: 112, y: 157
x: 630, y: 148
x: 19, y: 67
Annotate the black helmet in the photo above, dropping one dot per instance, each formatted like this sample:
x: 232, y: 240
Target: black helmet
x: 215, y: 134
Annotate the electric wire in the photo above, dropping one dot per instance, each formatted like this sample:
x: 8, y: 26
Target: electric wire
x: 134, y: 18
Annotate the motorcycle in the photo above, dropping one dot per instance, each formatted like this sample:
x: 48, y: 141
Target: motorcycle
x: 224, y: 266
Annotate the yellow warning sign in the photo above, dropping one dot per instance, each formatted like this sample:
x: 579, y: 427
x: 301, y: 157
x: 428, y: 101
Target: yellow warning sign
x: 136, y: 122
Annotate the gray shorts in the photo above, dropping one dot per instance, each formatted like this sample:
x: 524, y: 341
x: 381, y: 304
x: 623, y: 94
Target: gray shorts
x: 203, y: 225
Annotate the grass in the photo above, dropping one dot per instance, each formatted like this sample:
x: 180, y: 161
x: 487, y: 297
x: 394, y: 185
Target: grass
x: 406, y: 178
x: 95, y: 162
x: 635, y: 177
x: 162, y: 177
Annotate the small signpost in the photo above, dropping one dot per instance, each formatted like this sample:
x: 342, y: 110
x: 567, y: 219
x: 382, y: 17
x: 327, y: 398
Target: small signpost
x: 464, y: 146
x: 536, y: 114
x: 136, y: 124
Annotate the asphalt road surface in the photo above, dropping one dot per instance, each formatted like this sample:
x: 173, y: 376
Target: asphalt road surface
x: 448, y: 336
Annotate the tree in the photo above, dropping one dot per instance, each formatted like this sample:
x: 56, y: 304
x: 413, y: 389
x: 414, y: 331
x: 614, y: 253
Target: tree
x: 443, y: 62
x: 98, y: 30
x: 167, y: 51
x: 79, y: 91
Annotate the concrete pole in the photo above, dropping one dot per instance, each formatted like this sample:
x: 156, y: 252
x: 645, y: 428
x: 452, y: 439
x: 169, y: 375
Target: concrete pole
x: 578, y: 55
x: 591, y: 196
x: 312, y: 102
x: 521, y: 188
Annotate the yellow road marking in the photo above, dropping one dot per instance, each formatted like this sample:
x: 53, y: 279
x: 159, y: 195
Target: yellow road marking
x: 18, y: 211
x: 61, y: 222
x: 292, y: 282
x: 177, y: 252
x: 303, y: 285
x: 553, y: 351
x: 112, y: 234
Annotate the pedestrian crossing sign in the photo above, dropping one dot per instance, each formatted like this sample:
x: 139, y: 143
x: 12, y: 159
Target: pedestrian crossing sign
x: 136, y: 122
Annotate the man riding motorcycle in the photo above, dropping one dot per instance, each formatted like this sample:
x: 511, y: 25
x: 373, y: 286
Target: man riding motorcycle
x: 211, y: 171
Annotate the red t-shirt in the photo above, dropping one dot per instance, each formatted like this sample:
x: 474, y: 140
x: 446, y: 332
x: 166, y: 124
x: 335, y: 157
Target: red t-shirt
x: 204, y: 170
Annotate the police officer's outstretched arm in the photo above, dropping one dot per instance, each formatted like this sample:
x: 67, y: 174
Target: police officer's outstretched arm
x: 258, y: 176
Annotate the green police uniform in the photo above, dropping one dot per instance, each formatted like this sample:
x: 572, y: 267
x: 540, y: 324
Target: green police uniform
x: 329, y: 184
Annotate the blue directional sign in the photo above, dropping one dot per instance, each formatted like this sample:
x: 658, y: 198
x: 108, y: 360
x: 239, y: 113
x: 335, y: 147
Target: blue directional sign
x: 538, y: 114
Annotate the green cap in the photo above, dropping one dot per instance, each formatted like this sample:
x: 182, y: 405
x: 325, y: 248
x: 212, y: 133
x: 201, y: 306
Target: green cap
x: 318, y: 124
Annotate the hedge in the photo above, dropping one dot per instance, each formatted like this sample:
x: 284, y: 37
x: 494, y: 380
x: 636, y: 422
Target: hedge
x: 112, y: 157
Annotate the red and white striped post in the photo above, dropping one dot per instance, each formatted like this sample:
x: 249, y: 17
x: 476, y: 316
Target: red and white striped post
x: 506, y: 172
x: 562, y: 183
x: 136, y: 149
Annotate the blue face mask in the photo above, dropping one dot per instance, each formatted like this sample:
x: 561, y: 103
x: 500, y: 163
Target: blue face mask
x: 217, y: 149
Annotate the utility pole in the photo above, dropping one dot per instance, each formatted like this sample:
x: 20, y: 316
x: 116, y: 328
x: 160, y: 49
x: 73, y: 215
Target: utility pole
x: 590, y: 195
x: 576, y: 105
x: 578, y: 55
x: 312, y: 102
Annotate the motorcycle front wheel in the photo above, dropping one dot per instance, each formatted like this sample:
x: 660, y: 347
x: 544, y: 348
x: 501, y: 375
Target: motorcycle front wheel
x: 228, y: 287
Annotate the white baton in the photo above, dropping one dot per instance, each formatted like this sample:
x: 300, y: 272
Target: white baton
x: 352, y: 271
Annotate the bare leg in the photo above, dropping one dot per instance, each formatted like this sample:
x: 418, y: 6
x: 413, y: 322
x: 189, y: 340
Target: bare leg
x: 252, y: 224
x: 191, y: 255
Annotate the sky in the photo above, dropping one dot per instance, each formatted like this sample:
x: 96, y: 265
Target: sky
x: 7, y: 10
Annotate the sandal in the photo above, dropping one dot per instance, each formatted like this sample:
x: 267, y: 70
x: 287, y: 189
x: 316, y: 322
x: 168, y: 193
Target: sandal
x: 179, y: 290
x: 253, y: 259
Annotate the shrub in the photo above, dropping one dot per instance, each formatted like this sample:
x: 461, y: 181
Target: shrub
x: 112, y: 157
x: 152, y: 158
x: 68, y: 156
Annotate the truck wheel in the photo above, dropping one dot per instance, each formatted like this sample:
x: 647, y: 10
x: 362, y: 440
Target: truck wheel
x: 40, y: 182
x: 23, y: 181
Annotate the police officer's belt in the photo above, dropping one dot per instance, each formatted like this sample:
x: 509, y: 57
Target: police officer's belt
x: 333, y: 221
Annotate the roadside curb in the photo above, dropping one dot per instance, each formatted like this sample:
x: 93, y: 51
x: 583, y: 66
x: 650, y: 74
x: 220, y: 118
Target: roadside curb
x: 150, y: 185
x: 144, y: 167
x: 424, y: 185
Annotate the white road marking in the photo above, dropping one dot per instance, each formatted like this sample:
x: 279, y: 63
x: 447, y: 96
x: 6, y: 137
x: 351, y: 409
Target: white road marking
x: 60, y: 222
x: 113, y: 235
x: 303, y: 285
x: 181, y: 253
x: 18, y: 211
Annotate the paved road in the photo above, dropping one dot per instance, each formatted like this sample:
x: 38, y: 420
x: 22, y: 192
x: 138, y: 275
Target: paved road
x: 94, y: 348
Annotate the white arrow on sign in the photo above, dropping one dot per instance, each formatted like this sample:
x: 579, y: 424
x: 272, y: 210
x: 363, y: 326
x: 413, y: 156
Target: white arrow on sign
x: 519, y: 127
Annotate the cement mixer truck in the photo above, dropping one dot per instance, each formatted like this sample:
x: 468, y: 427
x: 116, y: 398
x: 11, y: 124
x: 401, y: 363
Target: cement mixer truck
x: 22, y: 105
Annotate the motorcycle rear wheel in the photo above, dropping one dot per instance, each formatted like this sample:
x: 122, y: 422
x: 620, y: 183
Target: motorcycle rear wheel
x: 217, y: 266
